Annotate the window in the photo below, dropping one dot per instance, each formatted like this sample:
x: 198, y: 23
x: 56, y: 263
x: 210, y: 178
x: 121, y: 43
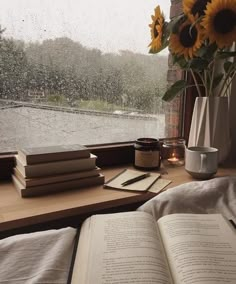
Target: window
x: 78, y: 71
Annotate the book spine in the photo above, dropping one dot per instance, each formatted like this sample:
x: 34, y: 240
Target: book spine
x: 60, y: 178
x: 53, y: 157
x: 56, y: 187
x: 54, y: 168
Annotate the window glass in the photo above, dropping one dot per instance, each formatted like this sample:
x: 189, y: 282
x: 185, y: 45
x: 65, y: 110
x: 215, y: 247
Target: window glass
x: 79, y: 71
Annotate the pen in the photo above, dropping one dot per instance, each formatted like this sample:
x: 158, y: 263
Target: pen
x: 133, y: 180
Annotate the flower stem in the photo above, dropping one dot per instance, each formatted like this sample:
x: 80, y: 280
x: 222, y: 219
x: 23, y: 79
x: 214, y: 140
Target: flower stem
x: 229, y: 83
x: 212, y: 78
x: 196, y: 83
x: 222, y: 91
x: 205, y: 83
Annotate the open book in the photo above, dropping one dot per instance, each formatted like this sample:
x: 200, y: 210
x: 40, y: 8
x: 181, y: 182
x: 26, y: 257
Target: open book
x: 132, y: 248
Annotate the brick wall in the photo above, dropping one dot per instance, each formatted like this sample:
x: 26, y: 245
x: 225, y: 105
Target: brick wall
x: 172, y: 109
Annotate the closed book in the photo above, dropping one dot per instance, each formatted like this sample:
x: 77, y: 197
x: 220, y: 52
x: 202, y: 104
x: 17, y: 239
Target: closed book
x: 28, y: 182
x: 37, y: 155
x: 54, y: 168
x: 56, y: 187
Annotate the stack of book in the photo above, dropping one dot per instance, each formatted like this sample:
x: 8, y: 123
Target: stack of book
x: 50, y: 169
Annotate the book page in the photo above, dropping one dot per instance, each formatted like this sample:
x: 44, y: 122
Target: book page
x: 81, y: 259
x: 121, y: 248
x: 200, y: 248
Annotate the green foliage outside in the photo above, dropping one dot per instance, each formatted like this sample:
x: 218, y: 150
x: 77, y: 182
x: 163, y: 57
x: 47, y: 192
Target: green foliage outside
x: 68, y: 74
x: 97, y: 105
x: 58, y: 100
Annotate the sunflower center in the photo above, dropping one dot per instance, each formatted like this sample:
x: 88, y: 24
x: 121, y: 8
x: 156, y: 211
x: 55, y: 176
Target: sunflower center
x: 156, y: 34
x: 224, y: 21
x: 199, y: 6
x: 188, y: 36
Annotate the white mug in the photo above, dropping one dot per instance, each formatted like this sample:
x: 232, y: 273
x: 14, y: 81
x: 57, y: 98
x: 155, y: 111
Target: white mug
x: 201, y: 162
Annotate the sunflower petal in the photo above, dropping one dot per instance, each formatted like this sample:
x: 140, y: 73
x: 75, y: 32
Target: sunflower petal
x: 220, y: 22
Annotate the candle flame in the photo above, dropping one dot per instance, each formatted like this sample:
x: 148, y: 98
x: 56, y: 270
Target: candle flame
x: 173, y: 158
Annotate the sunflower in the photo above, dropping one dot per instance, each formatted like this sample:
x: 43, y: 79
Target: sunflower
x: 156, y: 30
x: 220, y: 22
x: 187, y: 40
x: 195, y: 7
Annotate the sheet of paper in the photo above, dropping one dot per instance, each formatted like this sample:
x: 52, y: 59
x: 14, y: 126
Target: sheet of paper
x: 142, y: 185
x: 199, y: 246
x: 123, y: 248
x: 159, y: 185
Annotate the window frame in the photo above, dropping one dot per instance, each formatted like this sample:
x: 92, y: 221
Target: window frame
x: 111, y: 154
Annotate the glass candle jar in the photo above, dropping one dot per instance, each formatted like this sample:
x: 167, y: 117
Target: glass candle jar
x: 147, y: 153
x: 174, y: 152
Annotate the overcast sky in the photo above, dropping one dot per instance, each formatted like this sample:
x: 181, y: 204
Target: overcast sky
x: 109, y: 25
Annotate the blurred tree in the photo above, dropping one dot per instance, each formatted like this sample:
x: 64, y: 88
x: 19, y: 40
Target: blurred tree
x: 13, y: 68
x: 64, y: 67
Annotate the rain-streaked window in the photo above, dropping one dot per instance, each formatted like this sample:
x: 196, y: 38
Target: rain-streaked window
x: 79, y: 71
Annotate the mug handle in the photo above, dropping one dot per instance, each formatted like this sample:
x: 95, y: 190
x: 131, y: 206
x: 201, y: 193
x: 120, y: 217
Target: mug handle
x: 203, y: 163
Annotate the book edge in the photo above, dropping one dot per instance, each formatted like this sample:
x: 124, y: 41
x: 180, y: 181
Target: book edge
x: 39, y: 190
x: 41, y: 180
x: 74, y: 253
x: 26, y: 170
x: 25, y: 153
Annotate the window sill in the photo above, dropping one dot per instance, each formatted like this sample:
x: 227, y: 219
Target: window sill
x: 70, y: 208
x: 112, y: 154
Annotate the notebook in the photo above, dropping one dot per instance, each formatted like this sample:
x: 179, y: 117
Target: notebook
x: 127, y: 174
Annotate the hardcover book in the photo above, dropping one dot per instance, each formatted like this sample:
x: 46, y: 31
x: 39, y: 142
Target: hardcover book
x: 54, y: 168
x: 133, y: 247
x: 28, y: 182
x: 37, y: 155
x: 56, y: 187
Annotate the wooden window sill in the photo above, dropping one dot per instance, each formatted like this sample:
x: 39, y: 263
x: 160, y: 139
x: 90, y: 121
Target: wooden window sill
x: 111, y: 154
x: 71, y: 207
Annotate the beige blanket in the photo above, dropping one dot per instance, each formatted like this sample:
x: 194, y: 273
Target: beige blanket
x: 41, y: 257
x: 217, y: 195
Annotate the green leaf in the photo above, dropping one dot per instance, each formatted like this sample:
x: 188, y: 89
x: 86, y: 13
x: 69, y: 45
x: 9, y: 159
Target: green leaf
x: 207, y: 52
x: 165, y: 30
x: 226, y: 54
x: 173, y: 91
x: 181, y: 61
x: 176, y: 22
x: 198, y: 64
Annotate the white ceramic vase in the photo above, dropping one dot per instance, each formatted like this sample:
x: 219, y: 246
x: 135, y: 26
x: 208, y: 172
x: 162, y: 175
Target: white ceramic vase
x: 210, y: 125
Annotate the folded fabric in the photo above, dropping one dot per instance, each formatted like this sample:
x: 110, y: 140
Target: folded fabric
x: 40, y: 257
x: 217, y: 195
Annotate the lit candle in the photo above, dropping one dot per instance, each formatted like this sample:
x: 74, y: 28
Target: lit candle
x: 173, y: 160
